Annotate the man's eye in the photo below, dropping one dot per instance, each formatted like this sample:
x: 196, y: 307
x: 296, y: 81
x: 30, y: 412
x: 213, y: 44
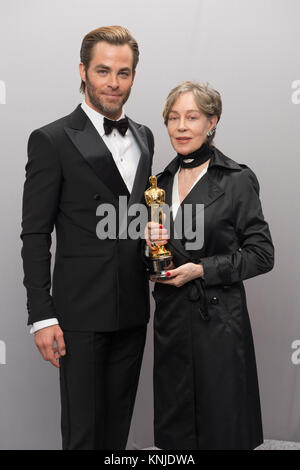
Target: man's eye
x: 192, y: 118
x: 125, y: 74
x: 102, y: 72
x: 172, y: 118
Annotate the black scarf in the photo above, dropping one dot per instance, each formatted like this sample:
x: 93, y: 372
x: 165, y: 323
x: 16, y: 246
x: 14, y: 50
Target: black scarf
x: 198, y: 157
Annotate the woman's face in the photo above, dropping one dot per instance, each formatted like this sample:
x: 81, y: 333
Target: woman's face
x: 187, y: 125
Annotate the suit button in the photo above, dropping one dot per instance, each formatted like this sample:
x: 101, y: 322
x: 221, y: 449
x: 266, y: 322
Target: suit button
x: 214, y: 300
x: 97, y: 197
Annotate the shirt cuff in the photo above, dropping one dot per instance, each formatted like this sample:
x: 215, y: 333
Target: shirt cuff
x: 43, y: 324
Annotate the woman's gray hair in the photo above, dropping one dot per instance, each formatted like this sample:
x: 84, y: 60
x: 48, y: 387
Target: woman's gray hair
x: 207, y: 99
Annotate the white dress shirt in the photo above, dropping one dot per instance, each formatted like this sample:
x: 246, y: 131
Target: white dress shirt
x: 126, y: 154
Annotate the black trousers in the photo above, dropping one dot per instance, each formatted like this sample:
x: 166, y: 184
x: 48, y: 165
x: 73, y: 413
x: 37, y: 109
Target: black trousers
x: 98, y: 382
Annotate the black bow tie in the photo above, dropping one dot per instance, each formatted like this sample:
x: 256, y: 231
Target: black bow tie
x: 121, y: 125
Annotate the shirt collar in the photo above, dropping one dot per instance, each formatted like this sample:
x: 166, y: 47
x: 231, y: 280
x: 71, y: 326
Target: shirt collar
x: 96, y: 117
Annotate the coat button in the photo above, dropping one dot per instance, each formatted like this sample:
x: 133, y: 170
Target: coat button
x: 97, y: 197
x: 214, y: 300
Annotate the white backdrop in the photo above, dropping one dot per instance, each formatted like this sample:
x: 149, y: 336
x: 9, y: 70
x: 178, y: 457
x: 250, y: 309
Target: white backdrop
x: 246, y: 49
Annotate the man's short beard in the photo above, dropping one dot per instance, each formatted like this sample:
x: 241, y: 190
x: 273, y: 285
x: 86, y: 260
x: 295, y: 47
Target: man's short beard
x: 97, y: 102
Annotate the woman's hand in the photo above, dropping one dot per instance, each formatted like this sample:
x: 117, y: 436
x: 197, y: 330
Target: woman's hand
x: 155, y: 234
x: 183, y: 274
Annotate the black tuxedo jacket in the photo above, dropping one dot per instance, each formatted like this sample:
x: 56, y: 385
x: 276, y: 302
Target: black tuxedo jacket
x: 98, y: 285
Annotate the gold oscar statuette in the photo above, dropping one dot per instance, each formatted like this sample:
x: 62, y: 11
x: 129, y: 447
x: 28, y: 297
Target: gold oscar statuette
x: 160, y: 257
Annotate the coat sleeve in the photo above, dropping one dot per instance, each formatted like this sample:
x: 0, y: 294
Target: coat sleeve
x: 255, y: 254
x: 40, y: 205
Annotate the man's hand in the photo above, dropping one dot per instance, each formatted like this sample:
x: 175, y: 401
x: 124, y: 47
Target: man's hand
x: 45, y: 341
x: 183, y: 274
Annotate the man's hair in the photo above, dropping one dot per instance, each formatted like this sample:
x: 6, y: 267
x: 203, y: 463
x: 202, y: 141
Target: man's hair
x: 116, y: 35
x: 207, y: 99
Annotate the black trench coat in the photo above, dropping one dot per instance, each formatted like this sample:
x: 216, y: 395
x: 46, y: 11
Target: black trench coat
x: 206, y: 392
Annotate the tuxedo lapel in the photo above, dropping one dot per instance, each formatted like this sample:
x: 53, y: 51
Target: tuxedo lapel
x: 86, y: 139
x: 93, y: 149
x: 142, y: 172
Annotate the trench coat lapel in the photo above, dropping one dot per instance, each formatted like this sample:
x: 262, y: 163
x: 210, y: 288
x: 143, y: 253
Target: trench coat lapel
x: 205, y: 192
x: 175, y: 242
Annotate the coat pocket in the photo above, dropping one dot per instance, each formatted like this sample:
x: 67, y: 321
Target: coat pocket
x: 229, y: 304
x: 218, y: 303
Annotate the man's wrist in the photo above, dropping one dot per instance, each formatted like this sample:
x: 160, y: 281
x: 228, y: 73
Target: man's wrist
x: 201, y: 270
x: 43, y: 324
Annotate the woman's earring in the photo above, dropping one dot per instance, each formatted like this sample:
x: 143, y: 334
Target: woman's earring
x: 210, y: 133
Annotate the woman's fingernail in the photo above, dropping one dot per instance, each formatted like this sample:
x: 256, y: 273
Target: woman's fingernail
x: 160, y: 226
x: 168, y: 274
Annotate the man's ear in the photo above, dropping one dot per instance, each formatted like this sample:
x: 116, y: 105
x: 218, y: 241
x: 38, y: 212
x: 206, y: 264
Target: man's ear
x: 133, y: 77
x: 82, y: 72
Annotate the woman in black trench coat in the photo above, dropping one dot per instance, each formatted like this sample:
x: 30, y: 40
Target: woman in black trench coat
x: 206, y: 392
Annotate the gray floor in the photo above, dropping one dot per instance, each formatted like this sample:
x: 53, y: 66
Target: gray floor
x: 279, y: 445
x: 268, y: 445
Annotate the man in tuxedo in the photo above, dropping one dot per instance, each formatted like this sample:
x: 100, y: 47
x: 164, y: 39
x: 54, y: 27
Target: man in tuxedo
x: 92, y: 325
